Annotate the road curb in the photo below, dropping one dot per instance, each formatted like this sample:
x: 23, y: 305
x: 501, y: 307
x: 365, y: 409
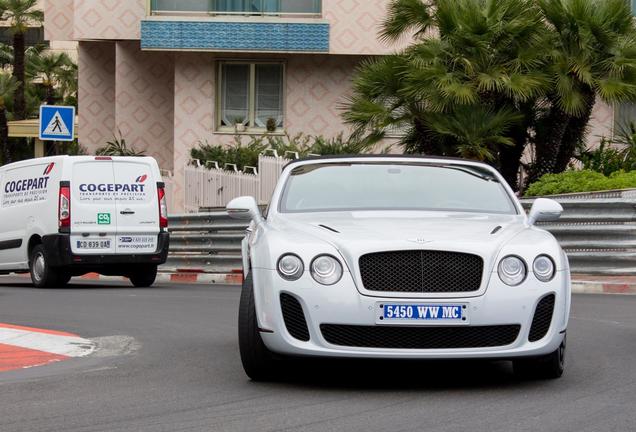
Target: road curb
x: 26, y: 347
x: 181, y: 277
x: 595, y: 287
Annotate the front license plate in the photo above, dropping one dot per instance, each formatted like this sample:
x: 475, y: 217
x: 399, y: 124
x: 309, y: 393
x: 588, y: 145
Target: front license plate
x: 421, y: 313
x: 93, y: 244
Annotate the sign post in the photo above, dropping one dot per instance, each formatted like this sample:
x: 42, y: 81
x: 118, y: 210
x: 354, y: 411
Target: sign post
x: 57, y: 123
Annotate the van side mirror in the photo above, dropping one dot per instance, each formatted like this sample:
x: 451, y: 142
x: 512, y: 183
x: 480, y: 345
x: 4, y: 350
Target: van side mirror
x: 244, y: 208
x: 544, y: 210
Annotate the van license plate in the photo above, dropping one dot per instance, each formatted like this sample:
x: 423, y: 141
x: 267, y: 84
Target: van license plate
x: 93, y: 244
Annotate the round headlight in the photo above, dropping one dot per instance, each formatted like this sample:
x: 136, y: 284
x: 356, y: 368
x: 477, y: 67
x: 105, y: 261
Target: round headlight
x: 290, y: 267
x: 326, y: 270
x: 543, y: 268
x: 512, y: 270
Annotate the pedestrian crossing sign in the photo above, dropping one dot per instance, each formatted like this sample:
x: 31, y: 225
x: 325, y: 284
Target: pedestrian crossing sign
x: 57, y: 123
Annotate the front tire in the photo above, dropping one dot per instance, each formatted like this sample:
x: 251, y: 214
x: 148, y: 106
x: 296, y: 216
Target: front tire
x: 144, y: 277
x: 550, y: 366
x: 42, y: 274
x: 258, y: 361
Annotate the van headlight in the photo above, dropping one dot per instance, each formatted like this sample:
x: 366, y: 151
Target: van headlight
x: 326, y: 270
x: 543, y: 268
x: 512, y: 270
x: 290, y: 267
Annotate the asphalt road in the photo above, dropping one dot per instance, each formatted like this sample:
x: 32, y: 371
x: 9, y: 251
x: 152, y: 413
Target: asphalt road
x: 169, y: 362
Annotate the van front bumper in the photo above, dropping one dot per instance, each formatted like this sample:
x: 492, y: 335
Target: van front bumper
x: 59, y: 253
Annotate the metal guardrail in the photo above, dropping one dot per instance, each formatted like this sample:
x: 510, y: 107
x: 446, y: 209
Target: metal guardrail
x: 205, y: 242
x: 599, y: 236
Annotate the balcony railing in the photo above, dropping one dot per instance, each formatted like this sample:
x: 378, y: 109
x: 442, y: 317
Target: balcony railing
x: 236, y: 7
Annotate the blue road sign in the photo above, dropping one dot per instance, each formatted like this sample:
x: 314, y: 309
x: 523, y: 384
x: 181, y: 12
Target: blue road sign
x: 57, y: 123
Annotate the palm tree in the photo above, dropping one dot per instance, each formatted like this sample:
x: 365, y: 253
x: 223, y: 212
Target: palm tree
x: 8, y: 86
x: 20, y: 15
x: 472, y: 61
x: 55, y: 70
x: 547, y: 61
x: 593, y: 56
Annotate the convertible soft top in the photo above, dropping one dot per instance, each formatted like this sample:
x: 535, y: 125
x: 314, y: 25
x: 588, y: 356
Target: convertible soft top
x: 381, y: 156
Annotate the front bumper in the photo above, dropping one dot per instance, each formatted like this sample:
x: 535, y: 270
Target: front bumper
x: 343, y: 304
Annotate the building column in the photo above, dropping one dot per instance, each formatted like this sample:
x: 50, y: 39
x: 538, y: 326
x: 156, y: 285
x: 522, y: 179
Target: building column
x: 144, y: 111
x: 96, y: 94
x: 194, y: 92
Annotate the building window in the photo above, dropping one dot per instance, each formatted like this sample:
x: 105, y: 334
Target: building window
x: 251, y: 7
x: 250, y: 96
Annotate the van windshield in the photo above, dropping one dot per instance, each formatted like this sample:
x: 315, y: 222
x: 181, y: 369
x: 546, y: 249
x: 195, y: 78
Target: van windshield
x: 362, y: 186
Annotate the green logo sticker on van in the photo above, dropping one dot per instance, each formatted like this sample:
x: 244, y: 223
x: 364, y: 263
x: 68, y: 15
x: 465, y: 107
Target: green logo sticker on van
x: 103, y: 218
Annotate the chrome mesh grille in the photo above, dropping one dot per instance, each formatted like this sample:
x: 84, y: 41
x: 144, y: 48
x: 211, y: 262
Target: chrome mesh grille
x: 421, y: 271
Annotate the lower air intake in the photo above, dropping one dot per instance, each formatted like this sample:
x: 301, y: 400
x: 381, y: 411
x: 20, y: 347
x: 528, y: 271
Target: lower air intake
x: 294, y: 317
x: 542, y: 318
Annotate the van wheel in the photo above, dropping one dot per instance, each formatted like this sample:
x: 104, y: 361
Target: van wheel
x: 144, y: 277
x: 42, y: 275
x: 64, y: 278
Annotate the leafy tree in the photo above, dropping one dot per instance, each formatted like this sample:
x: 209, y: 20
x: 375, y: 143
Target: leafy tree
x: 8, y: 86
x: 20, y: 15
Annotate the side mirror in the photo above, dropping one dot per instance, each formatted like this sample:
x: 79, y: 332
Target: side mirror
x: 544, y: 210
x: 244, y: 208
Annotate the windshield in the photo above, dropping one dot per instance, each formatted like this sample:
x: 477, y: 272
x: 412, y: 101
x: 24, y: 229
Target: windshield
x: 394, y: 186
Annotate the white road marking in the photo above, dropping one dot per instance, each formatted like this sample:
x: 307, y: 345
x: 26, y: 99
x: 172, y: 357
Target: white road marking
x: 70, y: 346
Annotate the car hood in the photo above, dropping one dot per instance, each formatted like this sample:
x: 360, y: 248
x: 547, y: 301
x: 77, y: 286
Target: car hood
x: 356, y: 233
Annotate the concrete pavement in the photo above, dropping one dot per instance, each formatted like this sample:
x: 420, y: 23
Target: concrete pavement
x: 169, y: 362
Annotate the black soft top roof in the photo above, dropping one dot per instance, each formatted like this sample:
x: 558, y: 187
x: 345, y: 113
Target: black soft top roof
x: 380, y: 156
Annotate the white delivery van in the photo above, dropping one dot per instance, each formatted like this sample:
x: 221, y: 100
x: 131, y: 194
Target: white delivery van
x: 65, y: 216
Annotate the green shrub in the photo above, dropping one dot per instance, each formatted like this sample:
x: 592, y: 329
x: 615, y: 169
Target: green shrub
x: 118, y: 147
x: 246, y: 154
x: 238, y: 153
x: 581, y: 181
x: 605, y: 159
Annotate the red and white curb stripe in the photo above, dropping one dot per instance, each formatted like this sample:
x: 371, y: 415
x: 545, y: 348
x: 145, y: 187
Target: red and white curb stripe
x: 185, y: 277
x: 26, y: 347
x: 181, y: 277
x: 596, y: 287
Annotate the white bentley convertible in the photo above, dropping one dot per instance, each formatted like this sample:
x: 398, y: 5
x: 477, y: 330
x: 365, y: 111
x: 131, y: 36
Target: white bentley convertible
x: 401, y: 257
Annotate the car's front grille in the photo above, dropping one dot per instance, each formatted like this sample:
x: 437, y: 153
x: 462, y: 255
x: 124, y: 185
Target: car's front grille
x: 420, y: 337
x: 421, y: 271
x: 542, y: 318
x: 294, y: 317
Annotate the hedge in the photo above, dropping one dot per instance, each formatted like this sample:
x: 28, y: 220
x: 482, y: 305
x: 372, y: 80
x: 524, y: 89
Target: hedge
x: 581, y: 181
